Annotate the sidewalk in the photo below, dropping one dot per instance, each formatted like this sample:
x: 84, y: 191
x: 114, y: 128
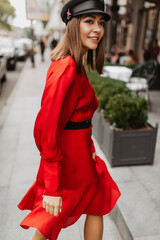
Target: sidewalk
x: 19, y: 157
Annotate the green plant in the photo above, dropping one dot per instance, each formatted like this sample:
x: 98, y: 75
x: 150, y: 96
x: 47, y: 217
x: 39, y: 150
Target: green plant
x: 105, y: 87
x: 110, y: 89
x: 7, y: 13
x: 127, y: 111
x: 119, y: 106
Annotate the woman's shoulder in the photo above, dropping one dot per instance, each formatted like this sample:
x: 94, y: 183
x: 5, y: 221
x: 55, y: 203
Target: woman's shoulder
x: 61, y: 68
x: 63, y: 63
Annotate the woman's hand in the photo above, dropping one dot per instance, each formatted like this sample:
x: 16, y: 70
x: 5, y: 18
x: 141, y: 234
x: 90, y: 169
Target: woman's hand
x: 52, y: 204
x: 94, y: 156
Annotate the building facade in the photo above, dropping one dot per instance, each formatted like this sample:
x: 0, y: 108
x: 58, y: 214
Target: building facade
x: 135, y: 24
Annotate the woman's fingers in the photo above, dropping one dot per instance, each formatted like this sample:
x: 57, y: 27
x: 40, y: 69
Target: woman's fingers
x: 47, y: 207
x: 51, y: 210
x: 52, y: 205
x: 94, y: 156
x: 44, y: 204
x: 56, y: 211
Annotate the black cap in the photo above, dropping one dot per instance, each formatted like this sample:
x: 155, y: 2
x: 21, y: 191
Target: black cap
x: 75, y: 8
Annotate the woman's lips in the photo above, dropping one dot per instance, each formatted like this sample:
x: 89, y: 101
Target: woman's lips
x: 94, y: 39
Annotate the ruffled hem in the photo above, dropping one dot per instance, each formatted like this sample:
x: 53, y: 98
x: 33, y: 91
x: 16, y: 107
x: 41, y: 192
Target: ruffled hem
x: 94, y: 199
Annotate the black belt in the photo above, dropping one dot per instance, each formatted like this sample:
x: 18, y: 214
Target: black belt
x: 78, y: 125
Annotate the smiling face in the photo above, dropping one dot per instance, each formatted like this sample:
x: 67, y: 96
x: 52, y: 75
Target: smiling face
x: 91, y: 31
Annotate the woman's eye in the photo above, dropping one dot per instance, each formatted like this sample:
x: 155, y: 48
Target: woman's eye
x: 102, y: 23
x: 89, y: 21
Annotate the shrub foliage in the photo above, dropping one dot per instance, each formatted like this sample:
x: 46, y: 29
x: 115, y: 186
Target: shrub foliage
x: 119, y: 105
x: 127, y: 111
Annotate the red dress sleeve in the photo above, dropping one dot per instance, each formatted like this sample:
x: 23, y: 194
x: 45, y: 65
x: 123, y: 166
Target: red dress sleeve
x: 92, y: 147
x: 58, y: 102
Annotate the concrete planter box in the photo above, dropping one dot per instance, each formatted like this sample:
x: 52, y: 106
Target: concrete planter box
x: 98, y: 127
x: 127, y: 147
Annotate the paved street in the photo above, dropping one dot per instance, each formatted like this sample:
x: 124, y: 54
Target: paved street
x: 19, y: 157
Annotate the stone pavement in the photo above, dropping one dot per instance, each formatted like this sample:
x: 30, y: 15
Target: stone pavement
x: 19, y: 157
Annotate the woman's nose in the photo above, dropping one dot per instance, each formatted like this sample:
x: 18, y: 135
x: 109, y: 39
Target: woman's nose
x: 97, y: 28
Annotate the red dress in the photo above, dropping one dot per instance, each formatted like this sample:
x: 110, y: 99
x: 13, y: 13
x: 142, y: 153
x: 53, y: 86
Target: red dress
x: 67, y: 168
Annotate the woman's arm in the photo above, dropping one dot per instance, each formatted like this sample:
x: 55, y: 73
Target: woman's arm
x: 58, y: 103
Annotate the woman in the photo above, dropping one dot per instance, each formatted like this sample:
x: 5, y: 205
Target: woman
x: 71, y: 180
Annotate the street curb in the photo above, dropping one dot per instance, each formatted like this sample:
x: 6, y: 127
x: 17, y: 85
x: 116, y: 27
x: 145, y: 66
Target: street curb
x: 121, y: 225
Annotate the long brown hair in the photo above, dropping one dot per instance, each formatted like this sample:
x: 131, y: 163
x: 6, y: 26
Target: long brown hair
x: 71, y: 45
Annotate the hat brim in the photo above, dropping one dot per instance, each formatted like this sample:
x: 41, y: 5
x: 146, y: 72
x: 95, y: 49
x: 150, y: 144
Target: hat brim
x: 89, y: 11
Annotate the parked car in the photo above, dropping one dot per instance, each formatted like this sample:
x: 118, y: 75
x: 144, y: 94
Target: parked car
x: 3, y: 69
x: 7, y: 48
x: 20, y: 50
